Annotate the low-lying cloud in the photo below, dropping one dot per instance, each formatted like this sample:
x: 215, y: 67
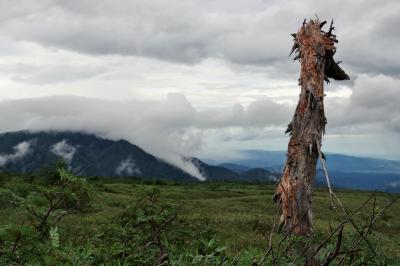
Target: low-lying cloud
x: 173, y: 129
x: 128, y: 167
x: 64, y: 150
x: 20, y: 150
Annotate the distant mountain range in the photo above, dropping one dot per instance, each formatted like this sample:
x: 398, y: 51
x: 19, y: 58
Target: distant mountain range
x: 345, y: 171
x: 90, y: 155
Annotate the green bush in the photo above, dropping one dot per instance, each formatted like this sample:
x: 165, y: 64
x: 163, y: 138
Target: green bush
x: 77, y: 190
x: 9, y: 199
x: 49, y: 174
x: 20, y: 245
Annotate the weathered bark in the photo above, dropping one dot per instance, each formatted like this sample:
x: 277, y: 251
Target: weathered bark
x: 315, y: 49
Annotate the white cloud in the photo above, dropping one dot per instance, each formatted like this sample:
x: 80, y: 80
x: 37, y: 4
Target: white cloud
x: 64, y: 150
x: 20, y: 150
x: 172, y: 128
x: 127, y: 167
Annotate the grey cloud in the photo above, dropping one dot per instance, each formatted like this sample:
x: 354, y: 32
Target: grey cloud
x: 375, y: 49
x: 258, y: 114
x: 243, y: 32
x: 249, y: 134
x: 51, y: 74
x: 372, y: 107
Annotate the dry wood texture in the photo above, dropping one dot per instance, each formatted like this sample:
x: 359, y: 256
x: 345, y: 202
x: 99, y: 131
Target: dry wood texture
x: 315, y: 50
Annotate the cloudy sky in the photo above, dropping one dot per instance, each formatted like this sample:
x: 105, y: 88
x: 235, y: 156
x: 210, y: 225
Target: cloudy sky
x: 204, y: 78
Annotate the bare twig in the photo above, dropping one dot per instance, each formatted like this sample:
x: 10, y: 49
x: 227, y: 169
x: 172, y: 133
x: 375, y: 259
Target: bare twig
x: 167, y: 222
x: 149, y: 244
x: 288, y: 234
x: 335, y: 253
x: 333, y: 196
x: 336, y: 229
x: 326, y: 241
x: 322, y: 160
x: 270, y: 240
x: 372, y: 222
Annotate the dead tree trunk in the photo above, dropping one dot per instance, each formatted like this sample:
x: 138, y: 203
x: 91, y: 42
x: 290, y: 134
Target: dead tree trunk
x: 315, y: 49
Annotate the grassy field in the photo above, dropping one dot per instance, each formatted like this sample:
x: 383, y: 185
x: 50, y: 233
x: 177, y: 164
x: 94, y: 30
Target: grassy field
x: 239, y: 215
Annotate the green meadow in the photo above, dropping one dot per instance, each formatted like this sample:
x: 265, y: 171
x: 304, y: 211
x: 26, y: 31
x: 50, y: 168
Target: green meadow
x: 214, y: 223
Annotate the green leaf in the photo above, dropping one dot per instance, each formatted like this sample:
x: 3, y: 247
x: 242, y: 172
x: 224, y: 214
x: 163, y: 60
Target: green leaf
x: 54, y: 237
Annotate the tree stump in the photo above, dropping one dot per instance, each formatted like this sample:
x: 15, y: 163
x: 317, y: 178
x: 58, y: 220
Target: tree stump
x: 315, y: 50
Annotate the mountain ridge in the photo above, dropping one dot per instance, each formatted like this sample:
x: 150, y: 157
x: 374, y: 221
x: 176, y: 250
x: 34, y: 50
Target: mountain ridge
x: 275, y: 160
x: 346, y: 171
x: 91, y: 155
